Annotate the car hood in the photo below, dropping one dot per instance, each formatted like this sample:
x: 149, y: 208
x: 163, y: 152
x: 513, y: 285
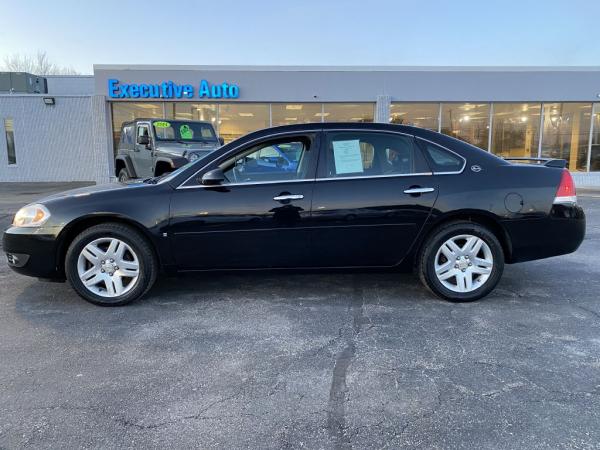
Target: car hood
x: 192, y: 147
x: 92, y: 190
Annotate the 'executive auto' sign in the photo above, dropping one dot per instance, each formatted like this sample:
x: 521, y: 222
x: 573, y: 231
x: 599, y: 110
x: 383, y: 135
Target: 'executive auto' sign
x: 168, y: 89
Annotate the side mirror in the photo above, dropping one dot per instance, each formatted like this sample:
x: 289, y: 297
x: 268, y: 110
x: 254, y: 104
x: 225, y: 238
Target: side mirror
x: 221, y: 140
x: 213, y: 177
x: 143, y: 140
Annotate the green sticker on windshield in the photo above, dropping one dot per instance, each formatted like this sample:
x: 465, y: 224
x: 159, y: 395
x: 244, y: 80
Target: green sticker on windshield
x: 162, y: 124
x: 186, y: 132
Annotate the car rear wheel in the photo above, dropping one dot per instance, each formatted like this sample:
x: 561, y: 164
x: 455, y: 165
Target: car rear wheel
x: 123, y: 176
x: 461, y: 261
x: 111, y: 264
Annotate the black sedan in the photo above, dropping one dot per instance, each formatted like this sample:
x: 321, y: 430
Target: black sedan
x: 346, y: 196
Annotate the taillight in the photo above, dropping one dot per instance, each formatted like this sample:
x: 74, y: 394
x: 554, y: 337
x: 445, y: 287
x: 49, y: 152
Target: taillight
x: 566, y: 189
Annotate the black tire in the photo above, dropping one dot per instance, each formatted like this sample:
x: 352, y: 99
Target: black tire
x: 123, y: 176
x: 427, y: 258
x: 148, y: 265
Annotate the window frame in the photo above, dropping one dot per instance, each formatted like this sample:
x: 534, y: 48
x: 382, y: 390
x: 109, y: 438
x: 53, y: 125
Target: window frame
x: 315, y: 135
x: 321, y: 173
x: 305, y: 139
x: 139, y: 125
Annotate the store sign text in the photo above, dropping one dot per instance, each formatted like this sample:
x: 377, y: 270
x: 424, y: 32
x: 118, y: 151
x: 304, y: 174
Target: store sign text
x: 169, y: 89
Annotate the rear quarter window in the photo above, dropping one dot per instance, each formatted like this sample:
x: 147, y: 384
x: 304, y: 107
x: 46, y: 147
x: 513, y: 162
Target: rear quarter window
x: 126, y: 141
x: 440, y: 159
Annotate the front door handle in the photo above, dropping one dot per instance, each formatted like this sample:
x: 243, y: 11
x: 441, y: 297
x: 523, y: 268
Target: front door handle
x: 288, y: 197
x: 418, y: 190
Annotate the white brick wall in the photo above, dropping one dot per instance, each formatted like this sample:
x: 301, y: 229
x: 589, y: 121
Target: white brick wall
x: 53, y: 143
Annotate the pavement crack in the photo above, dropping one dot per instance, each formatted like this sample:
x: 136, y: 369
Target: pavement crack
x: 338, y: 394
x: 200, y: 415
x: 588, y: 310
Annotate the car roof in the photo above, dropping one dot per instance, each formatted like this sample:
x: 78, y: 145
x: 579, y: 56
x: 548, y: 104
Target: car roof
x: 463, y: 148
x: 469, y: 152
x: 345, y: 125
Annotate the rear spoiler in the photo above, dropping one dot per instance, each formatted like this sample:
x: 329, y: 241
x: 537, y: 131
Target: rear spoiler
x: 548, y: 162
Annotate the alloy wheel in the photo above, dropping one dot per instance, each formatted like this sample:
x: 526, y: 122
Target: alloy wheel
x: 108, y: 267
x: 464, y: 263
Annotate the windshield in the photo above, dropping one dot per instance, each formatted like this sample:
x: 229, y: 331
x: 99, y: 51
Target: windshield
x: 182, y: 131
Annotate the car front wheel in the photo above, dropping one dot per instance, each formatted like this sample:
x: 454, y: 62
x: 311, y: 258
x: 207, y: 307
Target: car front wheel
x: 110, y: 264
x: 123, y: 176
x: 461, y: 261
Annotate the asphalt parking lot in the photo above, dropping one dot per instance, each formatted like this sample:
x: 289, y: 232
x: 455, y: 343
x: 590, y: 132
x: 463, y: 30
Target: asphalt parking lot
x: 278, y: 360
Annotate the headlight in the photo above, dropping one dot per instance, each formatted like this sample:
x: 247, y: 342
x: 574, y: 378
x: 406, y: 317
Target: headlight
x: 194, y: 156
x: 31, y: 216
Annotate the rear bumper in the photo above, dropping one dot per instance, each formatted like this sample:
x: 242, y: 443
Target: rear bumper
x: 559, y: 233
x: 32, y: 251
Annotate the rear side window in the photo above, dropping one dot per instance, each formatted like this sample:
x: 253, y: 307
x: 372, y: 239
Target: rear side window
x: 351, y: 154
x: 127, y: 137
x: 442, y: 160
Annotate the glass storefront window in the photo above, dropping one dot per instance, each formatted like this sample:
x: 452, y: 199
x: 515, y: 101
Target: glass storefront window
x: 566, y: 132
x: 515, y: 126
x: 516, y: 129
x: 468, y: 122
x: 126, y: 111
x: 346, y: 112
x: 291, y: 113
x: 424, y: 115
x: 238, y: 119
x: 206, y: 112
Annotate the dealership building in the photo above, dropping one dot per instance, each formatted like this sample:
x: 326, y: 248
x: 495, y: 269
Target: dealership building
x: 66, y: 128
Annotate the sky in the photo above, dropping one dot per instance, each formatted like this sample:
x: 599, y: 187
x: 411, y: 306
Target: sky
x: 304, y: 32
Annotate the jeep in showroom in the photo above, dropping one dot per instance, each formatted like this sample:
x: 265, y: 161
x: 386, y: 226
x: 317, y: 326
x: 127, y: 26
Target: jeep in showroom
x: 152, y: 147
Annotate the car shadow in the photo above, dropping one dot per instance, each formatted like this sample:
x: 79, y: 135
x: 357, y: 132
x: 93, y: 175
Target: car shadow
x: 57, y: 306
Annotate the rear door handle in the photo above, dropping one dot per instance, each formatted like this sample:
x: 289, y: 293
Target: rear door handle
x: 418, y: 190
x: 288, y: 197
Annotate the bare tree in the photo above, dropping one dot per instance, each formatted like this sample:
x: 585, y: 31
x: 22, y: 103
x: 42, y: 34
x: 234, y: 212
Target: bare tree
x: 37, y: 64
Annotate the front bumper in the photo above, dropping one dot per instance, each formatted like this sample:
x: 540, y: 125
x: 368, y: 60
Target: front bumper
x: 560, y: 233
x: 32, y: 251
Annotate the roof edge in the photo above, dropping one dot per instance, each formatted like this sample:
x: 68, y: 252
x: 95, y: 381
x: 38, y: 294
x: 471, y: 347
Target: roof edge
x: 267, y: 68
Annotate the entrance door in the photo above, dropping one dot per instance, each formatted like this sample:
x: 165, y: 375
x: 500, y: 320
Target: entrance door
x: 257, y: 217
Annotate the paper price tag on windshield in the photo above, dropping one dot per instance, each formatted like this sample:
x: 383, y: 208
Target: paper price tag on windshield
x: 347, y: 156
x: 162, y: 124
x: 186, y: 132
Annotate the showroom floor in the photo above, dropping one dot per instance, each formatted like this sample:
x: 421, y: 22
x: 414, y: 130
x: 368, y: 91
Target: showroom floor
x: 279, y: 360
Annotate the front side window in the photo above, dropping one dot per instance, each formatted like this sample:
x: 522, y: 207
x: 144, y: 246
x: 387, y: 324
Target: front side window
x: 10, y: 141
x: 271, y: 161
x: 351, y: 154
x: 142, y: 130
x: 441, y: 160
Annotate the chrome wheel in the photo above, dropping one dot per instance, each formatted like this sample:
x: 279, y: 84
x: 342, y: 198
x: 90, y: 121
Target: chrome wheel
x: 464, y: 263
x: 108, y: 267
